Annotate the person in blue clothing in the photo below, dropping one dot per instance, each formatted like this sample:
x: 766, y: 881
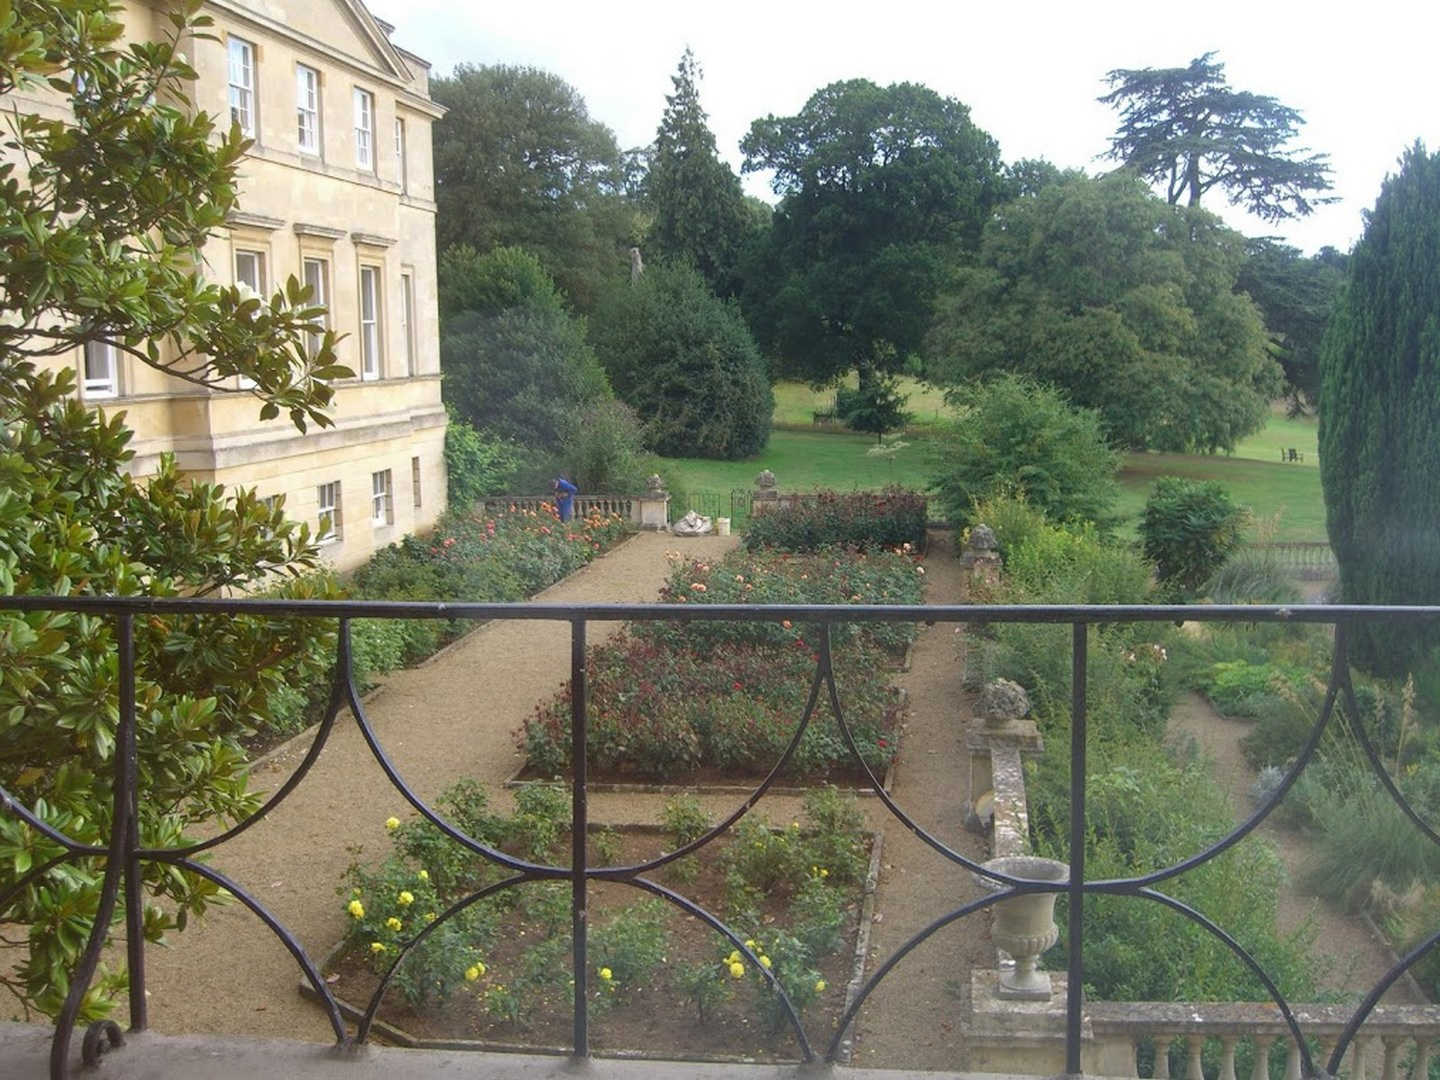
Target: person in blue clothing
x: 564, y: 497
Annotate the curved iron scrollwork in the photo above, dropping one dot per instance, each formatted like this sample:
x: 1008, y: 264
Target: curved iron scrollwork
x: 123, y: 855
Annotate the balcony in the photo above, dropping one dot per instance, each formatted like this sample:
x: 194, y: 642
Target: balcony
x: 1036, y: 1034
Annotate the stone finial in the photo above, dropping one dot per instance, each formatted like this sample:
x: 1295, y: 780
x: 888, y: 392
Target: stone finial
x: 654, y: 485
x: 982, y: 538
x: 637, y: 265
x: 1002, y: 701
x: 765, y: 481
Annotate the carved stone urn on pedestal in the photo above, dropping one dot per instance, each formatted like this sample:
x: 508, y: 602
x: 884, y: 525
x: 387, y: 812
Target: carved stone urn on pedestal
x: 1025, y: 924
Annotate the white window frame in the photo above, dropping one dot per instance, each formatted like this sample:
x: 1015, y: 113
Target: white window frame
x: 364, y: 130
x: 307, y: 109
x: 106, y: 358
x: 370, y: 352
x: 400, y: 156
x: 415, y: 480
x: 327, y: 513
x: 407, y: 319
x: 320, y: 296
x: 255, y: 282
x: 382, y: 499
x: 241, y: 54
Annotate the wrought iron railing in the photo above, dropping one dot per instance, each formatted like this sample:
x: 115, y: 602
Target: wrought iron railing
x: 124, y: 855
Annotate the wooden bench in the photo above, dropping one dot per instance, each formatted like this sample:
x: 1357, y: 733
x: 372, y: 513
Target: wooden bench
x: 822, y: 416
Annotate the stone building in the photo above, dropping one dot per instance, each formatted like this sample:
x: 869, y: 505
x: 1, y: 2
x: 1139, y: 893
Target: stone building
x: 338, y: 190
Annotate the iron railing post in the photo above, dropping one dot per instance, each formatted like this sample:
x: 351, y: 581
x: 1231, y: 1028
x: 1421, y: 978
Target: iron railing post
x: 1075, y: 978
x: 126, y: 752
x: 579, y: 812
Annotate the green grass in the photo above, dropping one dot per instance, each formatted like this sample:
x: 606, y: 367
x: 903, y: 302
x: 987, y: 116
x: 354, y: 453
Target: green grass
x: 1285, y: 498
x: 807, y: 461
x: 1283, y: 433
x: 795, y: 402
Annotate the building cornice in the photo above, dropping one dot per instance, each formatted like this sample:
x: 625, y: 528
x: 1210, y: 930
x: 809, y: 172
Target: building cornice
x: 244, y: 219
x: 322, y: 232
x: 365, y: 239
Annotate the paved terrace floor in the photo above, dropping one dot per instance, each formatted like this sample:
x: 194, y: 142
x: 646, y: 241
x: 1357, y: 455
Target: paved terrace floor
x: 25, y: 1050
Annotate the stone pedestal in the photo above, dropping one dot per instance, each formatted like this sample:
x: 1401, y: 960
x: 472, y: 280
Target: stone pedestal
x: 996, y: 753
x: 654, y: 507
x: 981, y: 557
x: 1021, y: 1038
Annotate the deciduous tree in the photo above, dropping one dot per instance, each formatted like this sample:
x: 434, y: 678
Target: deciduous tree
x: 882, y: 187
x: 1296, y: 294
x: 1380, y: 410
x: 519, y: 161
x: 1184, y: 128
x: 1125, y: 303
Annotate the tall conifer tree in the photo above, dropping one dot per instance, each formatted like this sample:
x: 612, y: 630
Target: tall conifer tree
x: 699, y: 209
x: 1380, y: 411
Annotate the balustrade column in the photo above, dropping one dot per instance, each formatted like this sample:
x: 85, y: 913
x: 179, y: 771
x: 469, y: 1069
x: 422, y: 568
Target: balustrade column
x: 1260, y: 1069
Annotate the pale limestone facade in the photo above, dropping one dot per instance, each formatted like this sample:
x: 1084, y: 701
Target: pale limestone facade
x: 339, y: 192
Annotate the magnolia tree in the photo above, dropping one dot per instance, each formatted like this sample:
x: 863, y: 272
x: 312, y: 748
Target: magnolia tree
x: 104, y: 215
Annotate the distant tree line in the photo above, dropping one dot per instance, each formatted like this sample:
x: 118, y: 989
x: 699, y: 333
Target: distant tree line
x: 901, y: 242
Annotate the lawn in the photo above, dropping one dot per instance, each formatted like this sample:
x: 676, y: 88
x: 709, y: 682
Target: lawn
x: 795, y: 402
x: 1284, y: 497
x: 807, y: 461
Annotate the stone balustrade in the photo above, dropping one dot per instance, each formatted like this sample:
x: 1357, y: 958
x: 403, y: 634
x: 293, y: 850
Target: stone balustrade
x: 1396, y: 1042
x: 628, y: 507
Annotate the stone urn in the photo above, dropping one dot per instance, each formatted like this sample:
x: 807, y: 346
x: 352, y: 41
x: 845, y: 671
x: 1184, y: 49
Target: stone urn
x: 1024, y: 925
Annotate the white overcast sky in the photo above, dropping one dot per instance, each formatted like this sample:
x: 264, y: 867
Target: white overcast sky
x: 1363, y: 75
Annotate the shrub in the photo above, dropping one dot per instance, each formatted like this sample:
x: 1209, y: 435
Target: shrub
x: 1015, y: 436
x: 1188, y: 529
x: 602, y: 450
x: 524, y: 374
x: 685, y: 361
x: 875, y: 407
x: 865, y: 520
x: 1252, y: 576
x: 476, y: 465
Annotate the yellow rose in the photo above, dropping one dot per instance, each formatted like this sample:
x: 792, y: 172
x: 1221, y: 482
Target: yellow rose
x: 423, y: 875
x: 764, y: 961
x: 737, y: 970
x: 392, y: 823
x: 356, y: 909
x: 605, y: 974
x: 820, y: 986
x: 472, y: 973
x: 393, y: 923
x: 406, y: 898
x: 377, y: 946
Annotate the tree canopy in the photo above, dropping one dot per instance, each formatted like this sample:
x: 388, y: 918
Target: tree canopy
x: 699, y: 212
x: 1380, y: 410
x: 1015, y: 436
x: 1184, y: 128
x: 685, y: 361
x: 516, y: 362
x: 1125, y: 303
x: 518, y: 160
x: 881, y: 187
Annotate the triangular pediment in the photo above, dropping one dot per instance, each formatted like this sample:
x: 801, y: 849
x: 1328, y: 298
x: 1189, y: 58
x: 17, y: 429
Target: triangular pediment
x: 340, y: 27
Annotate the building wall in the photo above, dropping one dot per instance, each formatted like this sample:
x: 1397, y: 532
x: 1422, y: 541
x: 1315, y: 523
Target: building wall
x: 324, y: 204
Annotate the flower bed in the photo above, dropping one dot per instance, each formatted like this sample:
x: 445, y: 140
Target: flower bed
x: 661, y: 982
x: 708, y: 700
x: 470, y: 556
x: 865, y: 519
